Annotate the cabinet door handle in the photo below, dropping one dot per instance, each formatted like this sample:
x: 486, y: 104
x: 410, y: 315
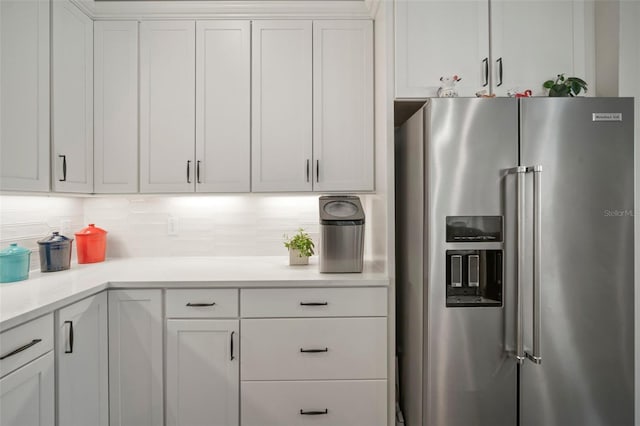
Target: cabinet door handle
x: 64, y: 167
x: 188, y: 171
x: 485, y: 63
x: 314, y: 303
x: 499, y: 61
x: 314, y: 412
x: 307, y: 170
x: 317, y: 171
x: 313, y: 351
x: 232, y: 357
x: 69, y: 344
x: 20, y: 349
x: 198, y: 171
x: 194, y: 305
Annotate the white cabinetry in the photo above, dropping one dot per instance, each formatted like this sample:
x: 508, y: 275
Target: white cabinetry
x: 116, y: 106
x: 82, y: 358
x: 167, y: 106
x: 529, y: 41
x: 27, y: 374
x: 282, y: 106
x: 24, y: 95
x: 202, y: 357
x: 321, y: 70
x: 202, y: 372
x: 135, y: 357
x: 330, y: 369
x: 223, y: 106
x: 343, y: 105
x: 72, y: 115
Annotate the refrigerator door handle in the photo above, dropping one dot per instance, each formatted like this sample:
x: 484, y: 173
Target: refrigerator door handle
x: 520, y: 172
x: 535, y: 356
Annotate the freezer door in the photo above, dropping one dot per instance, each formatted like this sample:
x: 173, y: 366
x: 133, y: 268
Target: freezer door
x: 470, y: 374
x: 585, y: 148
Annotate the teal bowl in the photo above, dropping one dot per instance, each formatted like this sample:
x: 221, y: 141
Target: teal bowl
x: 14, y: 263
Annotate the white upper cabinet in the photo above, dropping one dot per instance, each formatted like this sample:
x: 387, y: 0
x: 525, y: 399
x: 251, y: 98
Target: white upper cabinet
x: 116, y: 106
x: 440, y: 39
x: 223, y: 106
x: 282, y: 106
x: 167, y: 106
x: 72, y: 115
x: 533, y: 41
x: 343, y: 105
x: 519, y: 46
x: 24, y: 95
x: 82, y: 356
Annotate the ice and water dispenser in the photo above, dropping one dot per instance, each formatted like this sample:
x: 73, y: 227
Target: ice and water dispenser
x: 474, y: 275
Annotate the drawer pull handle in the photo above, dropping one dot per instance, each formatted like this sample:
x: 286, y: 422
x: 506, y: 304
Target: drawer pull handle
x: 199, y: 305
x: 20, y: 349
x: 69, y: 343
x: 313, y: 351
x: 314, y: 412
x: 314, y: 303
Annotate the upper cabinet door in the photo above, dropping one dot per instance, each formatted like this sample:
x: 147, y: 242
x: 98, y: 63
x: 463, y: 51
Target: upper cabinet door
x: 343, y: 105
x: 223, y: 106
x: 116, y: 106
x: 533, y: 41
x: 24, y: 103
x: 167, y: 106
x: 72, y: 77
x: 441, y: 38
x: 281, y: 106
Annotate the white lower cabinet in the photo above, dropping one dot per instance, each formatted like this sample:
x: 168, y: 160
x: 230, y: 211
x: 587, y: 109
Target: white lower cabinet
x: 82, y: 357
x: 202, y: 372
x: 135, y: 358
x: 27, y: 394
x: 318, y: 403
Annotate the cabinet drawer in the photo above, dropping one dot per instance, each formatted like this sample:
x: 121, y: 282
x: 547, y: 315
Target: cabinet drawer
x: 339, y: 403
x: 312, y: 348
x: 314, y: 302
x: 202, y: 303
x: 24, y: 343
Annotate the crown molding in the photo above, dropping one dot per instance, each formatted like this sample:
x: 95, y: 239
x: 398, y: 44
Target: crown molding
x: 226, y: 9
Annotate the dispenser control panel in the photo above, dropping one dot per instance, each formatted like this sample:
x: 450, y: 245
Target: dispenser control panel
x: 474, y: 229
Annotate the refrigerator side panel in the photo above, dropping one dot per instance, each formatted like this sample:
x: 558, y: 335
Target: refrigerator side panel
x: 471, y: 377
x: 585, y: 148
x: 410, y: 213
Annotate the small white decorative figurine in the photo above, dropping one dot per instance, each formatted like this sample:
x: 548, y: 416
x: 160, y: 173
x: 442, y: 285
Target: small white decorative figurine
x: 448, y: 89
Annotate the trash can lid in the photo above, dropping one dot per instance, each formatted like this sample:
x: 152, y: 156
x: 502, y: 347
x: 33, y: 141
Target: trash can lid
x: 341, y: 210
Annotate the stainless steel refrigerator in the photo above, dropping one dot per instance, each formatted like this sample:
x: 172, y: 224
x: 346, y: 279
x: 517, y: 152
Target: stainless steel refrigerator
x: 514, y: 230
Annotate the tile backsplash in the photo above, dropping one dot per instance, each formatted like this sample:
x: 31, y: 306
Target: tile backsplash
x: 147, y: 225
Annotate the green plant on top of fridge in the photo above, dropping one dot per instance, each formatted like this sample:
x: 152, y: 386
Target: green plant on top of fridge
x: 565, y: 86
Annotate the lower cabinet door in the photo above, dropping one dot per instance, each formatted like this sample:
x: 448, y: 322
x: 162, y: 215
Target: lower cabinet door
x: 27, y: 394
x: 136, y: 395
x: 202, y: 372
x: 82, y: 352
x: 318, y: 403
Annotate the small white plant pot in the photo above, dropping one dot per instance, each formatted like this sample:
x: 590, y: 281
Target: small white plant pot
x: 296, y: 259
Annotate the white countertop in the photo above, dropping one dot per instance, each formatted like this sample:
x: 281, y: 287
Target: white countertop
x: 45, y: 292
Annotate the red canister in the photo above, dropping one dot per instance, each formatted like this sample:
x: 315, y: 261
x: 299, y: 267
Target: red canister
x: 91, y: 244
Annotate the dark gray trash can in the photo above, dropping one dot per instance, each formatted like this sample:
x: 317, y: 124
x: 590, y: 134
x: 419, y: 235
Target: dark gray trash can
x: 342, y: 234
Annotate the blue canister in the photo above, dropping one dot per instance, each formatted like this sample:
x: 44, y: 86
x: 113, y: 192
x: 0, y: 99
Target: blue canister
x: 55, y: 253
x: 14, y: 263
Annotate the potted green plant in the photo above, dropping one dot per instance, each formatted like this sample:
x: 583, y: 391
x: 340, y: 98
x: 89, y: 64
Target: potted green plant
x: 565, y: 86
x: 300, y: 248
